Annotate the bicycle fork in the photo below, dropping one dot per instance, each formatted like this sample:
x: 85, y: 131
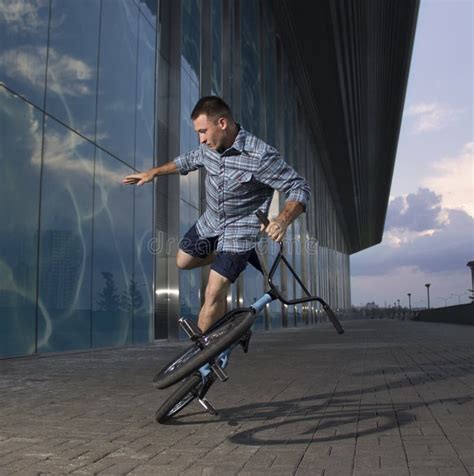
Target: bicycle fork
x: 215, y: 369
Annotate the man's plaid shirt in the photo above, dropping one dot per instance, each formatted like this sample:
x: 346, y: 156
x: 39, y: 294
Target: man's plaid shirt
x: 239, y: 182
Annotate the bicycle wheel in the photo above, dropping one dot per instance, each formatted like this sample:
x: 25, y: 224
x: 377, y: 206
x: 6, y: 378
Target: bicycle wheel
x: 221, y: 336
x: 180, y: 398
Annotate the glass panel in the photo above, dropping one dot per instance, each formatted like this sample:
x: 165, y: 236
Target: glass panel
x: 286, y: 103
x: 270, y: 80
x: 191, y: 35
x: 65, y: 241
x: 145, y: 97
x: 189, y: 184
x: 253, y: 290
x: 23, y: 40
x: 20, y: 159
x: 250, y: 73
x: 216, y: 74
x: 275, y: 306
x: 143, y: 266
x: 297, y: 267
x: 191, y: 38
x: 290, y: 280
x: 117, y: 78
x: 149, y: 9
x: 113, y: 254
x: 72, y: 63
x: 189, y: 280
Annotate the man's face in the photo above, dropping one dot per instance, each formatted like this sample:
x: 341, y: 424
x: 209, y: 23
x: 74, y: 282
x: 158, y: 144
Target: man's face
x: 212, y: 132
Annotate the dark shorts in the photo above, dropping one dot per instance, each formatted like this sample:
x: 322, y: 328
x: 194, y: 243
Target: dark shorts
x: 227, y: 264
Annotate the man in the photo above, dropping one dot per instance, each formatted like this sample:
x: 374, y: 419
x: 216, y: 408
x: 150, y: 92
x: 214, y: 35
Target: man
x: 242, y: 172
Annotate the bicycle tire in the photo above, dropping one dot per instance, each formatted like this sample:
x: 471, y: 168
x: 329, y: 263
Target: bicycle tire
x: 212, y: 343
x: 180, y: 398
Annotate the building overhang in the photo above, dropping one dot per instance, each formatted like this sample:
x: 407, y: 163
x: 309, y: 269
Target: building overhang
x: 352, y: 59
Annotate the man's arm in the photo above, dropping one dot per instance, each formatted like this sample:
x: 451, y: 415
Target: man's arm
x: 276, y: 173
x: 149, y: 175
x: 183, y: 164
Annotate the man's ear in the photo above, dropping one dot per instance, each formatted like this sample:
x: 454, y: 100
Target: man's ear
x: 223, y: 122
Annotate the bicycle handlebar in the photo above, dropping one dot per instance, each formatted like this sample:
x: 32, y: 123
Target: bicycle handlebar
x: 276, y: 293
x: 262, y: 217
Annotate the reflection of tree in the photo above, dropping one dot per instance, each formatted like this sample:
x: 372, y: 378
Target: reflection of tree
x: 132, y: 298
x: 109, y: 299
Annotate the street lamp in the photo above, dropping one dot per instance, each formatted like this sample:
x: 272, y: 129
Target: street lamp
x: 471, y: 266
x: 459, y: 296
x: 409, y: 300
x: 445, y: 300
x: 427, y: 285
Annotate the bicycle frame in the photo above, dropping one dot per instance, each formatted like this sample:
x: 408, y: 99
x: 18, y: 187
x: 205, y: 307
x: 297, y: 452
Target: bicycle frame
x: 274, y: 293
x: 215, y: 363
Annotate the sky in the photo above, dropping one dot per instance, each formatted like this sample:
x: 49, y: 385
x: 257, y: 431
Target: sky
x: 429, y: 229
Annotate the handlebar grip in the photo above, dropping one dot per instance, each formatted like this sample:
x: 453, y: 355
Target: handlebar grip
x: 262, y: 217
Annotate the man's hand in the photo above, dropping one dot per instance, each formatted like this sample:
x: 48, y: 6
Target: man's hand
x: 275, y: 230
x: 138, y: 179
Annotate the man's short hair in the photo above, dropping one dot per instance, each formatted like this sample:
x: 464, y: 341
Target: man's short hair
x: 213, y: 107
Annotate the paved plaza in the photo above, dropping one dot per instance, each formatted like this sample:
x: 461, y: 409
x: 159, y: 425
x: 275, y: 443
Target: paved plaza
x: 386, y: 398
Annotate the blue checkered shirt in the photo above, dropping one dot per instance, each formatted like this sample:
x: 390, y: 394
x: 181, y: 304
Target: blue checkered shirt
x: 239, y: 182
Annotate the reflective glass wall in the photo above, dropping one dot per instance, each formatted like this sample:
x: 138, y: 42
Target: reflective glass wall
x: 89, y: 90
x: 189, y: 188
x: 77, y: 113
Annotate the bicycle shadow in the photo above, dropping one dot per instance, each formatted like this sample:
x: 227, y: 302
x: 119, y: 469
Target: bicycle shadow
x: 324, y: 413
x: 384, y: 417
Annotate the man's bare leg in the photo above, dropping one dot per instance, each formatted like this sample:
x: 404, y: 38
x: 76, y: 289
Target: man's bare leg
x: 215, y: 299
x: 186, y: 261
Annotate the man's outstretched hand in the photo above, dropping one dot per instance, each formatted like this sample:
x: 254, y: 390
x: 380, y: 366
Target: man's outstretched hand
x: 138, y: 179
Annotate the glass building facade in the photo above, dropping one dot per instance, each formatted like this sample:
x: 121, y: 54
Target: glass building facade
x: 93, y: 90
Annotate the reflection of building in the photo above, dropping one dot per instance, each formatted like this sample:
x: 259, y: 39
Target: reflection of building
x: 114, y: 82
x: 19, y: 290
x: 61, y: 266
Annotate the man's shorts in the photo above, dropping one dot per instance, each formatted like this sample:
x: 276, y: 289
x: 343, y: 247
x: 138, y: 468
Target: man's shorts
x: 227, y: 264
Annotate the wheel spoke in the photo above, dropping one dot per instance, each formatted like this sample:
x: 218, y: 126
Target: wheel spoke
x: 211, y: 344
x: 184, y: 358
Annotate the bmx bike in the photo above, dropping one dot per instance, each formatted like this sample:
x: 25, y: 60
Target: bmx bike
x: 200, y: 365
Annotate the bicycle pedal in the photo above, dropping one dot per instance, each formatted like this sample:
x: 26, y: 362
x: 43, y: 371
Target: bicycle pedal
x: 190, y: 328
x: 219, y: 372
x: 244, y: 343
x: 207, y: 406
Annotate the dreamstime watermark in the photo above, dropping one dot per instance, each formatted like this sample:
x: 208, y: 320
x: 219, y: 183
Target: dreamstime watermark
x: 161, y: 245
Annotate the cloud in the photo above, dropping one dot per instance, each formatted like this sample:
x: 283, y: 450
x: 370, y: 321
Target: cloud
x: 23, y: 16
x: 432, y: 116
x: 67, y: 75
x: 442, y: 239
x: 25, y: 64
x: 417, y: 211
x: 453, y: 178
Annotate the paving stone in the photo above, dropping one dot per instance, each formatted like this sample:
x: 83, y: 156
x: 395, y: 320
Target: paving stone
x: 386, y: 398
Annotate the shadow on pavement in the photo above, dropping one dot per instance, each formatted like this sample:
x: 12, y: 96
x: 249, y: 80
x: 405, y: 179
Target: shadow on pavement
x: 325, y: 414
